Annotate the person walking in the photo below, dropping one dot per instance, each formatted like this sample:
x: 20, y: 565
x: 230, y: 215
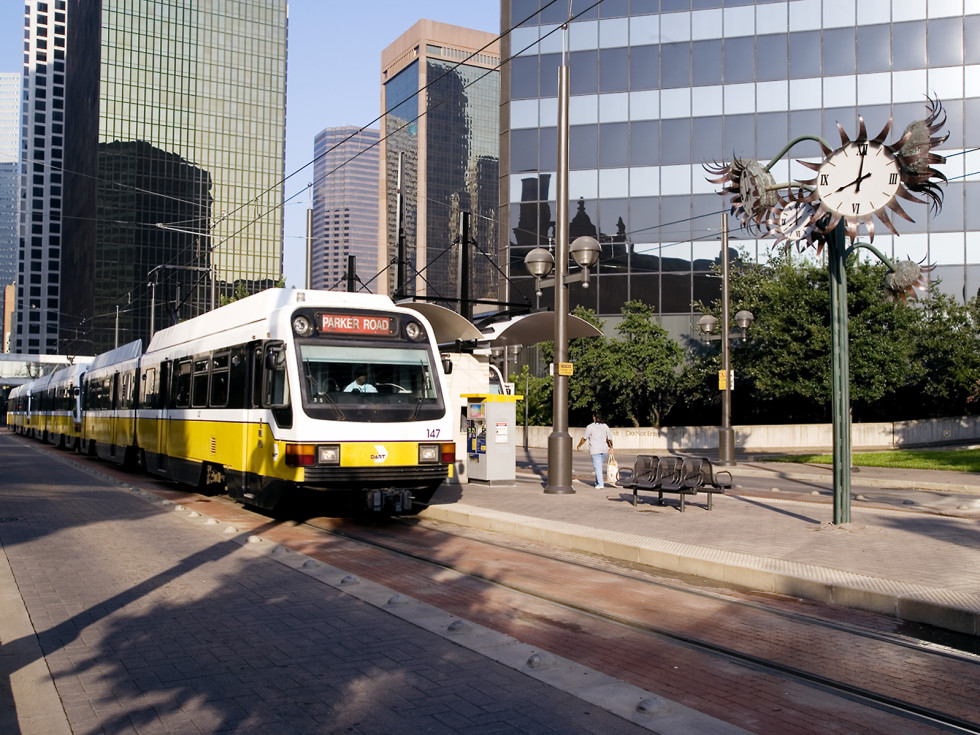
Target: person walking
x: 599, y: 437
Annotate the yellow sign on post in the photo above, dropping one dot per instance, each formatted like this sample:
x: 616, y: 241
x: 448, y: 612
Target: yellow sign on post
x: 726, y: 381
x: 564, y: 368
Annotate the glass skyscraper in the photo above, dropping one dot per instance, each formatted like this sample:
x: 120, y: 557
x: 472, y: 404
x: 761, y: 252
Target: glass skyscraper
x: 155, y: 146
x: 660, y: 87
x: 9, y: 177
x: 345, y: 206
x: 441, y: 129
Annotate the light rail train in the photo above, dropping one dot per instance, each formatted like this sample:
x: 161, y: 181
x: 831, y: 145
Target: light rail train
x: 342, y: 393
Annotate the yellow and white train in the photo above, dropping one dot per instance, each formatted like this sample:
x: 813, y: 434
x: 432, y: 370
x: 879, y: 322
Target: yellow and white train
x: 338, y: 392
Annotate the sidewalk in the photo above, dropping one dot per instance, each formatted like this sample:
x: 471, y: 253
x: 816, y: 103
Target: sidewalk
x: 915, y: 563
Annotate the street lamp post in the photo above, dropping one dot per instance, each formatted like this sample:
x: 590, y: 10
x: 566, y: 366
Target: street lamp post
x: 539, y: 262
x: 707, y: 324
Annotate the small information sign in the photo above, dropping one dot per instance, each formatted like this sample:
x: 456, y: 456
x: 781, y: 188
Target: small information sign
x: 564, y: 368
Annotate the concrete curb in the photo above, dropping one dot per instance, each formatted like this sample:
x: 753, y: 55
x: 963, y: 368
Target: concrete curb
x: 913, y: 603
x: 857, y: 479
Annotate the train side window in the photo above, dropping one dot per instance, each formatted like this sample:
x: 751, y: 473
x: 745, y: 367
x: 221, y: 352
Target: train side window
x: 219, y: 380
x: 275, y: 393
x: 238, y: 378
x: 149, y: 395
x: 182, y: 385
x: 199, y: 396
x: 275, y: 387
x: 126, y: 391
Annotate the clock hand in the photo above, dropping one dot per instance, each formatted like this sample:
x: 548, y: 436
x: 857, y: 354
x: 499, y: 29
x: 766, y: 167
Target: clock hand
x: 860, y: 178
x: 856, y: 183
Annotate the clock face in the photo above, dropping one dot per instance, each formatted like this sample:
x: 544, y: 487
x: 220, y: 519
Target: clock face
x: 795, y: 221
x: 858, y: 179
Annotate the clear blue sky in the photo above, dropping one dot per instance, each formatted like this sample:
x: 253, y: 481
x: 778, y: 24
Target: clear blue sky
x: 334, y: 75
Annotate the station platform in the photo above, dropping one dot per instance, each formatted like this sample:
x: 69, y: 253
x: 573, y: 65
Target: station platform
x: 911, y: 549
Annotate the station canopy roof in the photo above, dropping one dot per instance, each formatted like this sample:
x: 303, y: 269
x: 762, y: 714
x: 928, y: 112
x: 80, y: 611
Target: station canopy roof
x: 527, y: 329
x: 533, y: 328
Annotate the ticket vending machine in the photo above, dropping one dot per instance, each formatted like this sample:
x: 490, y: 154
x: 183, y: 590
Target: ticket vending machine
x: 491, y: 438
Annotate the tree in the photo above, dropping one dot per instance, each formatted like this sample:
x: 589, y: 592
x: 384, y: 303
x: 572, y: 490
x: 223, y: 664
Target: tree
x: 783, y: 370
x: 642, y: 368
x: 630, y: 380
x: 946, y: 360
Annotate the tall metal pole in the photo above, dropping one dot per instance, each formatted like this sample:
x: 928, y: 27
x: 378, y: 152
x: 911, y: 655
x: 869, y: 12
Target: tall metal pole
x: 726, y: 435
x: 839, y: 372
x: 309, y: 247
x: 351, y: 273
x: 153, y: 306
x: 560, y: 441
x: 465, y: 304
x: 399, y: 290
x: 117, y: 326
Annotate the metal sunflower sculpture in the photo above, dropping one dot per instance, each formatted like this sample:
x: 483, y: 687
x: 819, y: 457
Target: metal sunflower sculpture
x: 864, y: 178
x: 751, y: 186
x: 858, y: 182
x: 905, y: 277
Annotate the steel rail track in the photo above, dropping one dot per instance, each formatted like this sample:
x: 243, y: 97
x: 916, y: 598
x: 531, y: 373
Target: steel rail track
x: 881, y: 702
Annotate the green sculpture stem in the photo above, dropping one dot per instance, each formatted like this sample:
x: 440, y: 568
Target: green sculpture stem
x: 793, y: 142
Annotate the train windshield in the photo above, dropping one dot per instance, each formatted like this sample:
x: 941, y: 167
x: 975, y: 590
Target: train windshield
x: 369, y: 383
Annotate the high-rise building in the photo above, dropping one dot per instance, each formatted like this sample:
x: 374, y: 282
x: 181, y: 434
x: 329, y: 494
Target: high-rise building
x: 439, y: 157
x: 345, y: 207
x: 9, y: 176
x: 660, y: 87
x: 154, y: 136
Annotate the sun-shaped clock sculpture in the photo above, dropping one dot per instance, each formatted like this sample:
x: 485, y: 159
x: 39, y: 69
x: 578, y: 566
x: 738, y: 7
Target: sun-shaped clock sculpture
x: 858, y: 182
x: 791, y: 221
x: 864, y: 178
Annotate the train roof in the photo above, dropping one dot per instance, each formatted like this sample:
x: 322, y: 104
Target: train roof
x: 258, y: 310
x: 121, y: 353
x: 69, y: 371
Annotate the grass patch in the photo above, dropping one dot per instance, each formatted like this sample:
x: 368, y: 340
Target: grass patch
x: 958, y: 460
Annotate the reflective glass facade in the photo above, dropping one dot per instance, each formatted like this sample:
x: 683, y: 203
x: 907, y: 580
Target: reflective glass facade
x: 9, y: 177
x: 173, y: 114
x: 345, y: 206
x: 446, y: 141
x: 660, y: 87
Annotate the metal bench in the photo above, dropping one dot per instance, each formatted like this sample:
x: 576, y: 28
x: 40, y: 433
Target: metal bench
x: 673, y: 474
x: 710, y: 481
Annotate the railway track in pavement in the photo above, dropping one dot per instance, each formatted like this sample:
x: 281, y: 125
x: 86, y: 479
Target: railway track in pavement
x: 768, y: 664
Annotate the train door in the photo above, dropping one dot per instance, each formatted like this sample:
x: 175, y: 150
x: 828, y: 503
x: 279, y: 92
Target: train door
x: 123, y: 426
x: 174, y: 439
x: 161, y: 416
x: 255, y: 433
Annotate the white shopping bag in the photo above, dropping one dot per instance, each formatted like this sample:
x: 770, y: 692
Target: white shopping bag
x: 612, y: 469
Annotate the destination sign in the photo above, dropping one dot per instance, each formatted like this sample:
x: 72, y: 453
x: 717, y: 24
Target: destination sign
x: 367, y: 324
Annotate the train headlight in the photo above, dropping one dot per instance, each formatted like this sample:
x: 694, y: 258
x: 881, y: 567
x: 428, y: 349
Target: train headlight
x: 302, y: 326
x: 328, y: 454
x: 428, y: 453
x: 414, y: 331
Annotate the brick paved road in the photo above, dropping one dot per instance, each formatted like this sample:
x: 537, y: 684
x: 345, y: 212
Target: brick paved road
x: 149, y: 624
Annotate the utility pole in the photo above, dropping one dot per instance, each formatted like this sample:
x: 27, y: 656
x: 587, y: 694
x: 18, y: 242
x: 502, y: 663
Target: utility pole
x: 399, y: 290
x: 309, y: 247
x: 465, y: 304
x: 351, y: 273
